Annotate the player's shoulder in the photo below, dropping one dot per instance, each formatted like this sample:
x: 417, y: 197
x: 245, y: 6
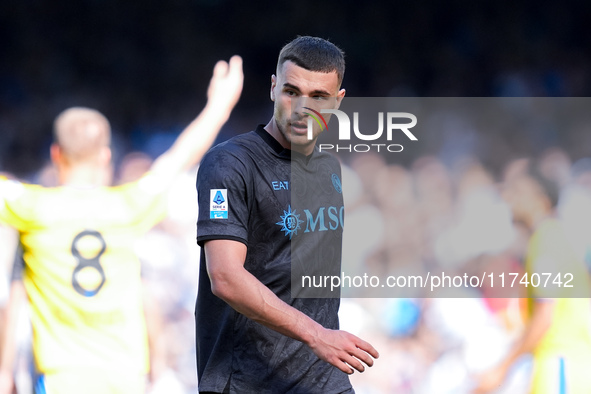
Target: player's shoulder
x: 238, y: 144
x: 326, y: 159
x: 12, y: 189
x: 237, y: 150
x: 21, y: 203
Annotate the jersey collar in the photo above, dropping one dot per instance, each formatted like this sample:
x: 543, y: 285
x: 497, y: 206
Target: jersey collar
x: 279, y: 149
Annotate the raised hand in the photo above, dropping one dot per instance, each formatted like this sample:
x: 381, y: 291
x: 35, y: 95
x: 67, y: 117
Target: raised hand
x: 226, y: 84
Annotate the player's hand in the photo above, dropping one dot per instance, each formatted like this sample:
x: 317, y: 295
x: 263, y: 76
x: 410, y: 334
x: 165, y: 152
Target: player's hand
x: 343, y: 350
x: 490, y: 380
x: 6, y: 382
x: 226, y: 83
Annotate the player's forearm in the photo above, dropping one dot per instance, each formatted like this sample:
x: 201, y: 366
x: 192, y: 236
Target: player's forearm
x: 533, y: 333
x: 200, y: 134
x: 17, y: 297
x: 231, y: 282
x: 155, y: 328
x: 254, y: 300
x: 193, y: 142
x: 248, y: 296
x: 223, y: 94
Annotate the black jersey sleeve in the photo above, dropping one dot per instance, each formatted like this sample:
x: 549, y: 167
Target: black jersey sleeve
x: 222, y: 192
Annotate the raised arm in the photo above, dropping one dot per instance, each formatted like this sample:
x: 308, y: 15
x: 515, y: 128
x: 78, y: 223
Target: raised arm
x: 222, y: 95
x: 231, y: 282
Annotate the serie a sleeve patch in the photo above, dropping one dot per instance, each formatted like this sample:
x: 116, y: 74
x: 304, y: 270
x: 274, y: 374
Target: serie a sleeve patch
x: 218, y: 203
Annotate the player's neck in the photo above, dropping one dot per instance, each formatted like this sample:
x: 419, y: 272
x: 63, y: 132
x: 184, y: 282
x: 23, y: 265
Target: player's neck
x: 272, y: 129
x: 83, y: 176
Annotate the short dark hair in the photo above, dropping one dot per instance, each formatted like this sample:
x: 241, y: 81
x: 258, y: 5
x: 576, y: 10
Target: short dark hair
x: 314, y: 54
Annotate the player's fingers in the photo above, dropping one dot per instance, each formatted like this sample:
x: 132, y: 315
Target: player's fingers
x: 235, y: 63
x: 367, y: 347
x: 355, y: 363
x: 220, y: 69
x: 235, y: 73
x: 343, y: 366
x: 363, y: 356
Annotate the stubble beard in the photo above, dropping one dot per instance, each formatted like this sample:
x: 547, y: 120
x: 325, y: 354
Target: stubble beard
x: 300, y: 142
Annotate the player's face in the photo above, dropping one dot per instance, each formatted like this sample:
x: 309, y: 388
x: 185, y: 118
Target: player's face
x: 293, y: 89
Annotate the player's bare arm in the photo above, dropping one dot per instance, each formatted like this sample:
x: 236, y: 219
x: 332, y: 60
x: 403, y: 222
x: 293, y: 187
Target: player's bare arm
x: 17, y: 297
x: 246, y: 294
x: 223, y: 93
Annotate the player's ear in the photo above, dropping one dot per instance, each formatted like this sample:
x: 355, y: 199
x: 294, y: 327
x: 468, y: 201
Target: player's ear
x: 55, y: 153
x: 105, y: 156
x: 273, y: 85
x: 340, y: 96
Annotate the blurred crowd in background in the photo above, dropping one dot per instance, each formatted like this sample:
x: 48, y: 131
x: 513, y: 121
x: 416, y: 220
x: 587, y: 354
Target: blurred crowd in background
x: 146, y: 65
x: 146, y: 68
x: 400, y: 220
x: 430, y: 217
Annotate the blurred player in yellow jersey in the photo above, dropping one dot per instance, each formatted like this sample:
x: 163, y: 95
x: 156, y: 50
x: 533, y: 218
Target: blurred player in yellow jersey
x: 81, y: 276
x: 558, y: 329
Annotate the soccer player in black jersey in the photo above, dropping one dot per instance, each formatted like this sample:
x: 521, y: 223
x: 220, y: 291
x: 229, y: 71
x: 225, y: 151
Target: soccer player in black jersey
x: 254, y: 335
